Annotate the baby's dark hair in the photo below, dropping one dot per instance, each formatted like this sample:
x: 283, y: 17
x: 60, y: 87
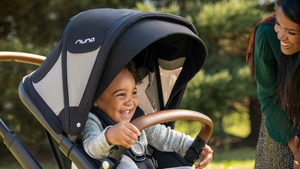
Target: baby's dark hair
x: 132, y: 69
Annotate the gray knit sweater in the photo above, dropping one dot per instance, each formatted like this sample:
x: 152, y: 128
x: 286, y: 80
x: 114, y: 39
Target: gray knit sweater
x: 162, y: 138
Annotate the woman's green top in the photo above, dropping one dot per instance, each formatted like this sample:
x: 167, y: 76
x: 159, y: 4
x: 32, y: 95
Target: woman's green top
x: 266, y: 57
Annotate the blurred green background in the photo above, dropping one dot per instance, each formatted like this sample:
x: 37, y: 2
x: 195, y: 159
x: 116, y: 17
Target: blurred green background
x: 222, y: 89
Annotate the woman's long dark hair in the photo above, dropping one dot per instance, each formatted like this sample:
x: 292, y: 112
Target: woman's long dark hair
x: 287, y: 72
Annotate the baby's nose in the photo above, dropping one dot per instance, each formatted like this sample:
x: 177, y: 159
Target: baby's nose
x: 129, y: 101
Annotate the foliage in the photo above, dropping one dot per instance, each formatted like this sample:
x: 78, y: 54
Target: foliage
x: 223, y: 85
x: 225, y: 26
x: 218, y: 95
x: 148, y: 7
x: 13, y: 113
x: 145, y: 7
x: 184, y: 5
x: 41, y: 21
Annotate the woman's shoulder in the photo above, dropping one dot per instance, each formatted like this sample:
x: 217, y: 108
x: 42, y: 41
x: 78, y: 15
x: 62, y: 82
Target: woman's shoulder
x: 266, y: 27
x: 266, y: 31
x: 266, y: 34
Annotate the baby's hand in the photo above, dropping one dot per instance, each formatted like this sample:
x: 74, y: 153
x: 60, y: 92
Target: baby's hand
x: 205, y: 157
x: 123, y: 133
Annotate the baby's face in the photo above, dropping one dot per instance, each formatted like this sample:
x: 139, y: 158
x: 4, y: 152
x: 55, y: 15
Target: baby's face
x: 119, y: 100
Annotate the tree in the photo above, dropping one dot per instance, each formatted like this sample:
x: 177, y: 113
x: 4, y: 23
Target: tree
x: 12, y: 111
x: 41, y: 21
x: 225, y: 28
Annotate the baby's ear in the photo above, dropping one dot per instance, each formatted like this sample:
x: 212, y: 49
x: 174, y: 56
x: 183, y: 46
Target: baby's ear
x: 95, y: 104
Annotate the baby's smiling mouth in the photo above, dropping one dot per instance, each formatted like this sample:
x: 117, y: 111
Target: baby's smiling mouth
x: 127, y: 112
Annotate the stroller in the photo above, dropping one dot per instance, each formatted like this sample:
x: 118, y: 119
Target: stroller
x: 94, y: 47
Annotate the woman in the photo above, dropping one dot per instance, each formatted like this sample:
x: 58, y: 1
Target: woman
x: 275, y: 64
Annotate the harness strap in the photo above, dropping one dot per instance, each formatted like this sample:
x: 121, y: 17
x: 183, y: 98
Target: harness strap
x: 149, y: 152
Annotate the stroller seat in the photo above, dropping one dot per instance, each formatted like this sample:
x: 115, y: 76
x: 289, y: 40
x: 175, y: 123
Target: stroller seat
x: 94, y: 47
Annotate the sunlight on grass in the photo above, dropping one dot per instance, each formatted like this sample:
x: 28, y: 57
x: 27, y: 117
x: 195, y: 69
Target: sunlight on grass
x: 242, y: 158
x: 232, y: 165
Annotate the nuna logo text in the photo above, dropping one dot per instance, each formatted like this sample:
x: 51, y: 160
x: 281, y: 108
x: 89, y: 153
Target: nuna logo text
x: 87, y: 40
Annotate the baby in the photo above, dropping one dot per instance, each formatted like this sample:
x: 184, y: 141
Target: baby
x: 119, y: 103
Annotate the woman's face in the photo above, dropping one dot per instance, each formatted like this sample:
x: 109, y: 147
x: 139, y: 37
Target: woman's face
x: 288, y: 32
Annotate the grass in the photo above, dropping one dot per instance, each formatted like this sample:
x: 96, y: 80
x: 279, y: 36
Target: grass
x: 232, y: 165
x: 233, y: 159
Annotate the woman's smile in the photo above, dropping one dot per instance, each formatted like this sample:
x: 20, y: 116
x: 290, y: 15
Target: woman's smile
x: 285, y: 45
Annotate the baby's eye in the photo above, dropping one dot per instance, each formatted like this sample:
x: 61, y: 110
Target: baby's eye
x: 121, y: 94
x: 134, y: 93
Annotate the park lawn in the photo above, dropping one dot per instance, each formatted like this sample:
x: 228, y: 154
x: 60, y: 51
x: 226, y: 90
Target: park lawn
x: 232, y: 165
x: 242, y: 158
